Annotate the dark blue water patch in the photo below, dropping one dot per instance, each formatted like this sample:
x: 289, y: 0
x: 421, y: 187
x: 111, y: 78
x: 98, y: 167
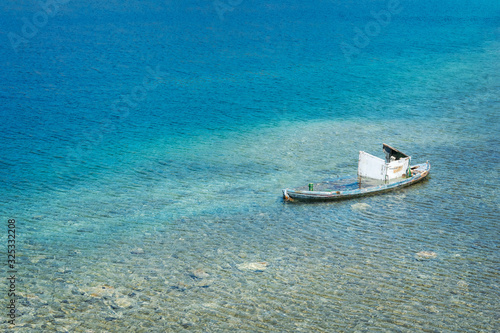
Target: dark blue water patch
x: 100, y: 68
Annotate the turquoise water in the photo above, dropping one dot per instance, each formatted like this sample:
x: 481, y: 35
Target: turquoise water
x: 145, y: 146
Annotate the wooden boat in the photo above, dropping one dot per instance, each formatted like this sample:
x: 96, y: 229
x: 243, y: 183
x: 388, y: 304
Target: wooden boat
x: 374, y: 176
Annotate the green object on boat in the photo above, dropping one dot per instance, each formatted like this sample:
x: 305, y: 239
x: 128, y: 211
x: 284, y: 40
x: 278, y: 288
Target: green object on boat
x: 311, y: 185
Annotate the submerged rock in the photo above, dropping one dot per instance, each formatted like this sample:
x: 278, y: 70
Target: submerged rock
x: 100, y: 291
x: 204, y: 283
x: 253, y: 266
x: 123, y: 302
x: 199, y: 274
x: 361, y: 206
x: 425, y: 255
x: 85, y: 230
x: 137, y: 251
x: 463, y: 285
x: 36, y: 259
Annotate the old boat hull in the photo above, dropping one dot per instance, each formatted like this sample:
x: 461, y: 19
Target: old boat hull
x: 347, y: 188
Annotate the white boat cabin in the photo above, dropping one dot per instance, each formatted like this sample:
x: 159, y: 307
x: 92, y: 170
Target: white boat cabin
x: 395, y: 165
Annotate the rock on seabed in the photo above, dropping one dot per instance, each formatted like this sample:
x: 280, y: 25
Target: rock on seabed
x: 100, y: 291
x: 123, y: 302
x: 200, y: 274
x: 253, y: 266
x: 137, y: 251
x: 360, y: 206
x: 425, y: 255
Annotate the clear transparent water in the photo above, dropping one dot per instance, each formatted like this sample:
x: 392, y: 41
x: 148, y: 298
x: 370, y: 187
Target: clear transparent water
x: 155, y: 225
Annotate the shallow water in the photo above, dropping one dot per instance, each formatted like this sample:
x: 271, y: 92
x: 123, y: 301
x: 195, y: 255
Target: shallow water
x: 170, y: 217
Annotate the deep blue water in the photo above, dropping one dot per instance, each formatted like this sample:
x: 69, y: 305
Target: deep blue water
x: 144, y: 141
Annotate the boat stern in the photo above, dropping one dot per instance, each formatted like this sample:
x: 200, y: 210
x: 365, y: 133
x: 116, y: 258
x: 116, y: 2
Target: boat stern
x: 286, y: 197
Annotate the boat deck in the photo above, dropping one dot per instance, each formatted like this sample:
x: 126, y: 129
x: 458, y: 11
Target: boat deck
x: 349, y: 183
x: 354, y: 186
